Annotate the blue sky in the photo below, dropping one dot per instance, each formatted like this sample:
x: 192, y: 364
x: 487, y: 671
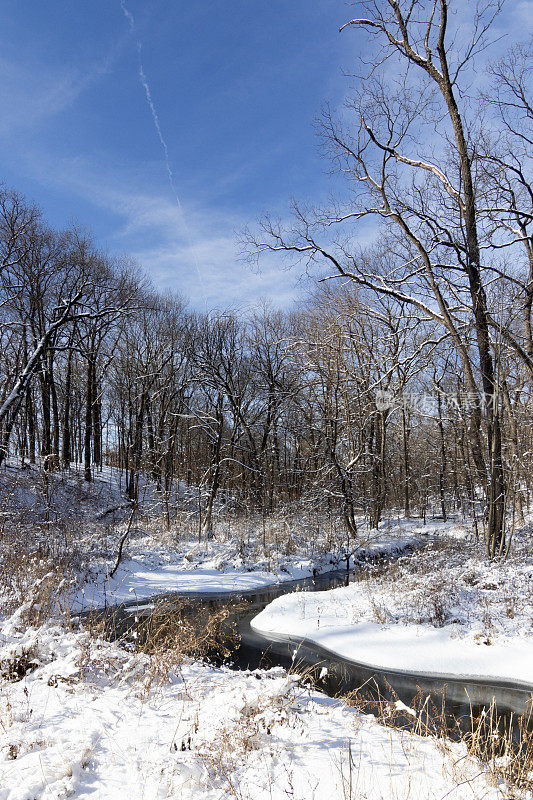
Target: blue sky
x: 235, y: 85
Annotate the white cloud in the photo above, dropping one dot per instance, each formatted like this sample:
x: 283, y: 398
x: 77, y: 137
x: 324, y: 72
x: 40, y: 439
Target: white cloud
x: 221, y: 281
x: 31, y: 95
x: 192, y: 248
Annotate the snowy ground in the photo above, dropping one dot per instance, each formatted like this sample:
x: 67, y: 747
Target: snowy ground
x: 88, y: 719
x: 79, y: 525
x: 89, y: 722
x: 213, y: 568
x: 442, y: 609
x: 63, y: 516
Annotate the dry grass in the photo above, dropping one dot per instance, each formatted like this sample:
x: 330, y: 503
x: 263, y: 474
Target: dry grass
x: 172, y: 633
x: 502, y: 744
x: 252, y: 731
x: 505, y: 747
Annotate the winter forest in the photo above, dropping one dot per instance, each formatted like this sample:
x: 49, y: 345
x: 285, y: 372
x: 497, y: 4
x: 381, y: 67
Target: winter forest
x: 356, y: 403
x: 285, y: 551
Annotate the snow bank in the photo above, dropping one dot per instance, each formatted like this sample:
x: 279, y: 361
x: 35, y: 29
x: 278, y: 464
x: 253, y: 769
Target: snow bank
x: 339, y: 620
x: 86, y: 723
x: 196, y: 571
x: 134, y: 581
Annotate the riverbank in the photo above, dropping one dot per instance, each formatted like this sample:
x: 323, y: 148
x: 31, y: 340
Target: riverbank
x: 84, y: 718
x: 216, y: 568
x: 443, y: 610
x: 58, y: 523
x: 88, y: 719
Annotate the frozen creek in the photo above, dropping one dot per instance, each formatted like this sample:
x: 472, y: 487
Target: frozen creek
x: 335, y: 674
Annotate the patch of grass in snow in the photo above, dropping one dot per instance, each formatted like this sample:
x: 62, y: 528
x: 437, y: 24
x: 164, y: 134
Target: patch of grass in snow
x: 502, y: 745
x: 174, y: 632
x: 506, y: 753
x: 249, y: 730
x: 450, y: 582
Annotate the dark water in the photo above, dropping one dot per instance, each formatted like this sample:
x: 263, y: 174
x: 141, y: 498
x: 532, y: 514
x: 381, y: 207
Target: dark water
x: 444, y: 699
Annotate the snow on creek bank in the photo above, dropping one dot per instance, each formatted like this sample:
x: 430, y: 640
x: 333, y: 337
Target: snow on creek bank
x: 341, y: 620
x: 88, y: 721
x: 138, y: 579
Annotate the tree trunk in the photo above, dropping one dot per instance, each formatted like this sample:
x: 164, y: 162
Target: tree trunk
x: 378, y: 471
x: 55, y: 409
x: 97, y: 420
x: 66, y: 453
x: 30, y: 416
x: 515, y: 451
x: 443, y: 465
x: 87, y: 472
x: 406, y: 466
x: 46, y: 443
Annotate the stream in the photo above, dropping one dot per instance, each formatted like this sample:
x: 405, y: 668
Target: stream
x: 449, y: 697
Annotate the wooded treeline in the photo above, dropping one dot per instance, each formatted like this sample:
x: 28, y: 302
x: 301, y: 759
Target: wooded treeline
x: 432, y: 154
x: 356, y: 409
x: 406, y: 382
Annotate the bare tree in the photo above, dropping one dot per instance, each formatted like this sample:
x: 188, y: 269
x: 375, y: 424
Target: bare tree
x: 411, y: 163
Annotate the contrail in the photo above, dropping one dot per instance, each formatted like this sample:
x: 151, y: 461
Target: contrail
x: 128, y: 16
x: 155, y: 117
